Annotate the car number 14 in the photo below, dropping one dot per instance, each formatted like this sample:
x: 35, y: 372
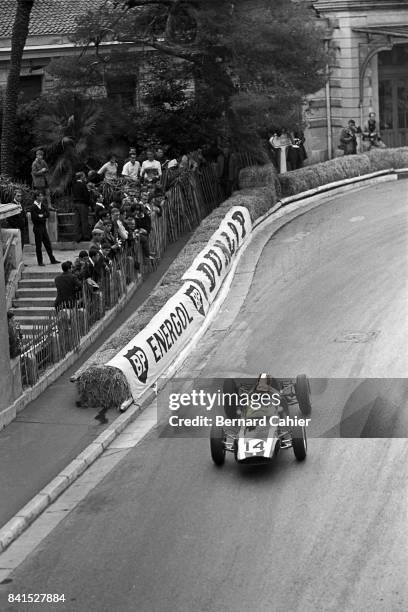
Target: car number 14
x: 254, y: 446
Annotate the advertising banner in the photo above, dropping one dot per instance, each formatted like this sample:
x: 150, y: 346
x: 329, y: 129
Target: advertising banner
x: 213, y: 263
x: 156, y: 347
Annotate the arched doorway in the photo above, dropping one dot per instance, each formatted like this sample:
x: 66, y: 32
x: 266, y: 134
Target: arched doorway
x: 393, y: 95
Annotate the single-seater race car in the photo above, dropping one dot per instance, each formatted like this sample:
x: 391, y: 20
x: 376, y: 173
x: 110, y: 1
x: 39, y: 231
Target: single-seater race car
x: 255, y: 434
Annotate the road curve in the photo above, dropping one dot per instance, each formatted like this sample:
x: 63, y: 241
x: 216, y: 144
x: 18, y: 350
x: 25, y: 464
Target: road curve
x: 167, y: 531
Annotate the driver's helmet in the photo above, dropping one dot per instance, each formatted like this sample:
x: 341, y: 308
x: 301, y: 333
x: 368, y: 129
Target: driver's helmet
x: 266, y: 384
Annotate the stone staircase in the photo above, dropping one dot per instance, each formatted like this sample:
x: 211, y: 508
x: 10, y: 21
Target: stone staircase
x: 34, y: 299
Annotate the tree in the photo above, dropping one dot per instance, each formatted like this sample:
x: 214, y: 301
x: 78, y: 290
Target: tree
x: 259, y: 58
x: 18, y: 39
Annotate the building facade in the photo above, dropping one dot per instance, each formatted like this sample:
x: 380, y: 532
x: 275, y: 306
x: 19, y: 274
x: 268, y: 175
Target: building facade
x: 369, y: 39
x: 52, y: 24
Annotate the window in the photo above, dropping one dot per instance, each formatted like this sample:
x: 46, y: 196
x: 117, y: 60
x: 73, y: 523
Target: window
x: 122, y: 89
x: 30, y: 87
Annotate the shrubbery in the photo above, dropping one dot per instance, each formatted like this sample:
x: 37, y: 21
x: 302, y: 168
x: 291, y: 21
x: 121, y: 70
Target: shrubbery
x: 342, y: 168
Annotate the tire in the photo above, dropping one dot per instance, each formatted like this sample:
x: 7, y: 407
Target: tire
x: 217, y: 447
x: 302, y: 390
x: 230, y: 406
x: 299, y: 443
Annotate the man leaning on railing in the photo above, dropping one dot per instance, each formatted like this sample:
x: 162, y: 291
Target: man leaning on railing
x: 68, y: 287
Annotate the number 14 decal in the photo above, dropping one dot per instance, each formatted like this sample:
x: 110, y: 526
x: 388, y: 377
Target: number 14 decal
x: 254, y: 446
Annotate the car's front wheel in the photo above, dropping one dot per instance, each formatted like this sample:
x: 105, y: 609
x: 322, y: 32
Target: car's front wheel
x: 217, y: 444
x: 299, y: 442
x: 302, y: 390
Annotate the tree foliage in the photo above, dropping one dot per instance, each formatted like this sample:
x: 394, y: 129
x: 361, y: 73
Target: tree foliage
x: 258, y: 58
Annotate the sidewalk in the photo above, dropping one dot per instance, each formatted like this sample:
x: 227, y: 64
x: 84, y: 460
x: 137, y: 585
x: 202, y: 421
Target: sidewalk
x: 51, y: 431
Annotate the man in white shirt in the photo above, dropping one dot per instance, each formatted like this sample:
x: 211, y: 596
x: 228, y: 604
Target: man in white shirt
x: 131, y: 169
x: 151, y: 168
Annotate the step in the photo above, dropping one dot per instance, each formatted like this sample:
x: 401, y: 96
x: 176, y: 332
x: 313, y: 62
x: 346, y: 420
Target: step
x: 30, y: 321
x: 31, y: 273
x: 35, y: 302
x: 30, y: 293
x: 34, y: 311
x: 30, y: 283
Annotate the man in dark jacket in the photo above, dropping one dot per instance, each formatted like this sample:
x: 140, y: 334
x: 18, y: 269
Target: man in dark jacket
x: 39, y: 215
x: 143, y: 224
x: 83, y: 267
x: 82, y: 201
x: 68, y: 287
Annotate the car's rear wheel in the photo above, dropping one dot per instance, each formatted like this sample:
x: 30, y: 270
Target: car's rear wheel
x: 299, y: 443
x: 217, y: 444
x: 230, y: 394
x: 302, y: 390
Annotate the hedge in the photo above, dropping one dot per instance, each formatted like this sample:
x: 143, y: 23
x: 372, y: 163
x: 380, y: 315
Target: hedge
x: 341, y: 168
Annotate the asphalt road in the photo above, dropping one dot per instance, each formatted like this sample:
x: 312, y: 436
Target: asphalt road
x: 167, y: 531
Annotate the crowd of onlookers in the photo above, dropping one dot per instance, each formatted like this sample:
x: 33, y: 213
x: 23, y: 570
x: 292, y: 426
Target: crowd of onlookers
x: 123, y: 200
x: 122, y: 219
x: 354, y: 140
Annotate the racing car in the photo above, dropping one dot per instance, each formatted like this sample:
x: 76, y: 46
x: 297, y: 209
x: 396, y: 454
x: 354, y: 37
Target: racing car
x: 256, y: 435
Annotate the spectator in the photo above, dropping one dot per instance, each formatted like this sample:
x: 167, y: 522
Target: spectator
x: 100, y: 207
x: 82, y: 201
x: 111, y: 244
x: 97, y: 236
x: 101, y: 223
x: 40, y: 175
x: 98, y: 264
x: 133, y: 240
x: 119, y: 229
x: 15, y: 336
x: 39, y: 216
x: 151, y: 168
x: 143, y: 227
x: 93, y: 179
x: 82, y: 267
x: 68, y: 287
x: 348, y: 138
x: 371, y: 137
x: 297, y: 153
x: 281, y: 142
x: 18, y: 221
x: 109, y: 171
x: 131, y: 169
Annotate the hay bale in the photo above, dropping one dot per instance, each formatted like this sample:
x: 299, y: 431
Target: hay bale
x: 316, y: 175
x: 384, y: 159
x: 258, y: 176
x: 102, y: 387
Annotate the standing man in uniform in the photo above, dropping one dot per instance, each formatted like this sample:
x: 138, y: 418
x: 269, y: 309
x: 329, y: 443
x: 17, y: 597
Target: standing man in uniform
x: 39, y: 216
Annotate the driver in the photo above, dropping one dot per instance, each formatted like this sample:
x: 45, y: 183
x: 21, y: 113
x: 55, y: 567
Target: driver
x: 267, y: 385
